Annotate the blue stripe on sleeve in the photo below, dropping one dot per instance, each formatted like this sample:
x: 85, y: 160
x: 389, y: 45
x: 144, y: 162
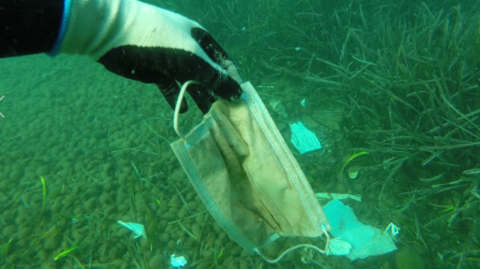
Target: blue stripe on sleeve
x: 63, y: 28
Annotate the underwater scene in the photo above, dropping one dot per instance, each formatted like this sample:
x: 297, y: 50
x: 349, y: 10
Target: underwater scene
x: 389, y: 88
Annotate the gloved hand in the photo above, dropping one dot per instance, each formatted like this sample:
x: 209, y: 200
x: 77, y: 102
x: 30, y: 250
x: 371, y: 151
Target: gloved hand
x: 152, y: 45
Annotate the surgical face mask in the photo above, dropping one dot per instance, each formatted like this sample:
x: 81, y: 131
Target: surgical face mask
x: 246, y: 176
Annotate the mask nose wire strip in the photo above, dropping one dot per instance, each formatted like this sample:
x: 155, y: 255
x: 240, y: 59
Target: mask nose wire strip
x: 179, y: 104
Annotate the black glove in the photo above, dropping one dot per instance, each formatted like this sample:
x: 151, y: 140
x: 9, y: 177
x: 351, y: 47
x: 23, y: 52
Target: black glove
x: 152, y: 45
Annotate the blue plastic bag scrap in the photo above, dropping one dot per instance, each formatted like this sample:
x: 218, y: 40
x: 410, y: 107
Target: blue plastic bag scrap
x: 353, y: 238
x: 137, y: 228
x: 177, y: 261
x: 303, y: 139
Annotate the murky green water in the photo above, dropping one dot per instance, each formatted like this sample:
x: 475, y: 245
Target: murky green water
x: 398, y: 79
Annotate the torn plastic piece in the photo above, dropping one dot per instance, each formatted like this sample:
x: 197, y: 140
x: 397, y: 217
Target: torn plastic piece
x: 303, y: 139
x: 365, y: 240
x: 353, y: 172
x: 394, y: 230
x: 138, y: 229
x: 177, y: 261
x: 339, y: 247
x: 339, y: 196
x: 303, y: 102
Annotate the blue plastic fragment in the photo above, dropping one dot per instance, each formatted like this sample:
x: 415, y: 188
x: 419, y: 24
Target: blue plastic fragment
x: 303, y: 102
x: 365, y: 240
x: 177, y: 261
x: 137, y: 228
x: 303, y: 139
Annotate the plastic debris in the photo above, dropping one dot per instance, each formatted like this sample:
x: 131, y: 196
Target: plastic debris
x: 394, y: 230
x: 137, y: 228
x: 339, y: 247
x: 177, y: 261
x: 303, y: 139
x: 365, y: 240
x: 1, y: 98
x: 353, y: 172
x: 339, y: 196
x: 303, y: 102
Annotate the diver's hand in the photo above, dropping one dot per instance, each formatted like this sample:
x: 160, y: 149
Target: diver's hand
x: 152, y: 45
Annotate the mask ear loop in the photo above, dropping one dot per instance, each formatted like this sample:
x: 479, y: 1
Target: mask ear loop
x: 179, y: 104
x: 322, y: 251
